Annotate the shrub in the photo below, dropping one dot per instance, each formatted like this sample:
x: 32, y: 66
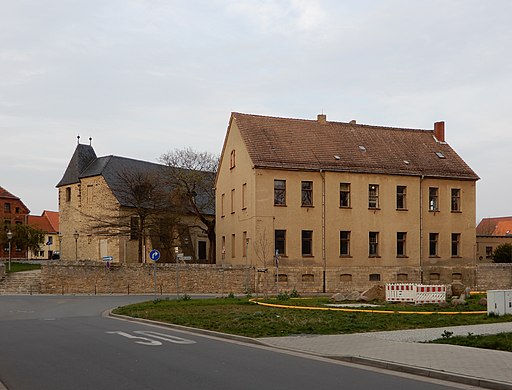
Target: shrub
x: 502, y: 254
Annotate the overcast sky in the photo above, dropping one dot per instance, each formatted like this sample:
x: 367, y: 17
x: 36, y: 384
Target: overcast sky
x: 145, y: 77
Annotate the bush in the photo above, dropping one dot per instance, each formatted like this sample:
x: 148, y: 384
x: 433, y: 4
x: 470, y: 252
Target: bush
x: 502, y: 254
x: 283, y: 296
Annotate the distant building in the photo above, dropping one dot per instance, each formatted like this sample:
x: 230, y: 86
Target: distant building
x: 490, y: 233
x: 344, y: 205
x: 12, y: 211
x: 48, y: 222
x: 92, y: 191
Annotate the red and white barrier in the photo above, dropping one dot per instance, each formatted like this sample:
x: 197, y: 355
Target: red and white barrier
x: 417, y: 293
x: 400, y: 292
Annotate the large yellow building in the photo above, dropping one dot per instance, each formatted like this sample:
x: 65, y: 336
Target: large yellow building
x: 344, y: 205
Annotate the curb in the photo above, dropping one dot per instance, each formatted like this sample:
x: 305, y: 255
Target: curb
x: 434, y: 374
x: 382, y: 364
x: 205, y: 332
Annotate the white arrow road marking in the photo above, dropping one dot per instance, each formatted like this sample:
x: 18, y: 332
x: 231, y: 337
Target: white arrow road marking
x: 154, y: 335
x: 165, y: 337
x: 143, y: 340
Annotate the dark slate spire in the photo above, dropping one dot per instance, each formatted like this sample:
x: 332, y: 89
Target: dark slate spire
x: 84, y: 155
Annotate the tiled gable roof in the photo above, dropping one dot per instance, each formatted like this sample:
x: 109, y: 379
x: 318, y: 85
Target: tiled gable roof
x: 45, y: 222
x: 499, y: 226
x: 347, y: 147
x: 53, y: 217
x: 82, y: 157
x: 84, y: 163
x: 6, y: 194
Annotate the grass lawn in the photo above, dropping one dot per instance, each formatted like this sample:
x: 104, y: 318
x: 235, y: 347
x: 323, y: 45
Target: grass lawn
x: 500, y: 341
x: 20, y: 267
x: 241, y: 317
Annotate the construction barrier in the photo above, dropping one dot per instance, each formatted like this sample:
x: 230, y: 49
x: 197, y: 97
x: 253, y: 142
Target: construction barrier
x: 400, y: 292
x: 416, y: 293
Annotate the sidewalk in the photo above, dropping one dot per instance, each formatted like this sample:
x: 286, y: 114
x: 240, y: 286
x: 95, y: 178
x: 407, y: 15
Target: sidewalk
x: 402, y: 351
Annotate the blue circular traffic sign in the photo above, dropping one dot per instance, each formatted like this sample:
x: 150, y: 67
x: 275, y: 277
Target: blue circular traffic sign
x: 154, y: 255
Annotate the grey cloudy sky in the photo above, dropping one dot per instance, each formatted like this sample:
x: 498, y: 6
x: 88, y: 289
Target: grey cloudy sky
x: 146, y: 77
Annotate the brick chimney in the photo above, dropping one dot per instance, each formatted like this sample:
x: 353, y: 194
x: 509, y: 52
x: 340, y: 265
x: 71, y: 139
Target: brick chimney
x: 439, y: 131
x: 322, y: 119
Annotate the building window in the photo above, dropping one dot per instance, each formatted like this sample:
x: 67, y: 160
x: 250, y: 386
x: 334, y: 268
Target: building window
x: 373, y: 247
x: 433, y: 243
x: 134, y: 228
x: 401, y: 238
x: 68, y: 194
x: 201, y: 250
x: 344, y: 194
x: 308, y: 278
x: 344, y: 243
x: 455, y: 244
x: 17, y: 210
x: 307, y: 243
x: 233, y: 245
x: 223, y: 248
x: 307, y: 193
x: 7, y: 208
x: 400, y: 197
x: 222, y: 205
x: 455, y: 199
x: 50, y: 240
x: 373, y: 196
x: 488, y: 252
x: 232, y: 161
x: 434, y: 276
x: 374, y: 277
x: 433, y: 199
x: 244, y: 244
x: 280, y: 242
x: 244, y: 196
x: 281, y: 278
x: 402, y: 277
x: 90, y: 194
x: 233, y: 201
x: 345, y: 278
x: 279, y: 192
x: 456, y: 276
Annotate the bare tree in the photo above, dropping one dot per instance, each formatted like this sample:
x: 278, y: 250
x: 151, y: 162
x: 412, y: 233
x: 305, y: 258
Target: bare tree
x: 145, y: 208
x: 191, y: 175
x: 263, y: 250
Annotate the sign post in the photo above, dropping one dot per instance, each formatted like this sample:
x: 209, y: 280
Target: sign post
x: 176, y: 251
x: 154, y: 255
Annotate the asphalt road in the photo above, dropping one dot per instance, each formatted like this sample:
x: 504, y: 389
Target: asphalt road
x: 64, y: 342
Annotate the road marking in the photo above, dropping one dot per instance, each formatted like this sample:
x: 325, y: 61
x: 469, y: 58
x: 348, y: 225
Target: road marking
x: 155, y: 335
x: 165, y: 337
x: 141, y: 340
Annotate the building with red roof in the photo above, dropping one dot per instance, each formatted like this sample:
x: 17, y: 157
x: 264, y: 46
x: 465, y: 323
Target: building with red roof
x: 344, y: 205
x: 12, y: 211
x: 48, y: 222
x: 490, y: 233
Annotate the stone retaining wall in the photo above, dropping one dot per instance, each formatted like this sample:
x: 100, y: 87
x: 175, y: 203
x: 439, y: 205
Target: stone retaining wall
x: 96, y: 278
x: 491, y: 276
x: 2, y: 271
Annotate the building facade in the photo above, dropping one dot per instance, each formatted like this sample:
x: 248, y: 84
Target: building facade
x: 490, y: 233
x: 97, y: 218
x: 48, y: 222
x: 344, y: 205
x: 12, y: 212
